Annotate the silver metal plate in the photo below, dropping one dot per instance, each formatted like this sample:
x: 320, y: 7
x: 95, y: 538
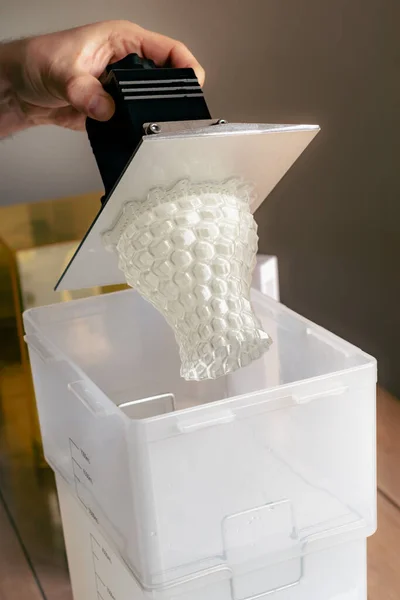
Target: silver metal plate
x: 260, y: 154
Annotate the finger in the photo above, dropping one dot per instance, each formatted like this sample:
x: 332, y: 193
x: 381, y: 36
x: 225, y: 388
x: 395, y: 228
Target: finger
x: 86, y: 95
x: 163, y: 49
x: 182, y: 58
x: 69, y: 118
x: 127, y: 37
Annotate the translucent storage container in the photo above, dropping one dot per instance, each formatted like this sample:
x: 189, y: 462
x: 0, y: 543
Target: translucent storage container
x: 262, y: 469
x: 97, y: 573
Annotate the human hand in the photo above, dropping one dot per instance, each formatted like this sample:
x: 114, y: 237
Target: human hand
x: 53, y: 79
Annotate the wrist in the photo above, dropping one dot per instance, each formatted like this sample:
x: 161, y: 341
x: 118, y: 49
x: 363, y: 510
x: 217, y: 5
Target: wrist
x: 12, y: 116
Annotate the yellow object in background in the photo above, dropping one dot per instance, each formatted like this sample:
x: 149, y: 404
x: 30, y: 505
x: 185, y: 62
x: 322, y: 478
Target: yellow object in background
x: 36, y: 243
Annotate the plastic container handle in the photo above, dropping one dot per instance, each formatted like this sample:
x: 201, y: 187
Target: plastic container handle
x: 80, y: 391
x: 266, y: 594
x: 35, y: 344
x: 188, y: 425
x: 337, y: 391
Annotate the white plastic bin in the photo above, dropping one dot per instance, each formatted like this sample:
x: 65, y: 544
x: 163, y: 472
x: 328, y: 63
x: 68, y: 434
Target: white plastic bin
x: 97, y: 573
x: 263, y: 467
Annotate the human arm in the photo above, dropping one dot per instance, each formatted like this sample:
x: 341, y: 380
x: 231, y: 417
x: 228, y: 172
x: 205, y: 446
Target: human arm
x: 54, y: 78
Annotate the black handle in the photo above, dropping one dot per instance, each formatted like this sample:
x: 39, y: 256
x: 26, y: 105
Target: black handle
x: 143, y: 93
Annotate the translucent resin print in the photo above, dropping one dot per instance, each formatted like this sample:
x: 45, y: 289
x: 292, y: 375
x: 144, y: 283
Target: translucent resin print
x: 191, y: 251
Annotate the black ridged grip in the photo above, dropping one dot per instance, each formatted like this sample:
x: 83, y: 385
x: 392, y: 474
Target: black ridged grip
x: 143, y: 93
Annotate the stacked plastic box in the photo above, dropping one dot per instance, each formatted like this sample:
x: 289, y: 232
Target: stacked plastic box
x: 259, y: 484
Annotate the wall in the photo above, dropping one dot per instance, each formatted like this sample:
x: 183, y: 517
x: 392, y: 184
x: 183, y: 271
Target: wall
x: 334, y: 219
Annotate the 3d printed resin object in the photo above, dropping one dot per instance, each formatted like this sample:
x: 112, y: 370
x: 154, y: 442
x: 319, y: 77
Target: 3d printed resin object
x: 191, y: 251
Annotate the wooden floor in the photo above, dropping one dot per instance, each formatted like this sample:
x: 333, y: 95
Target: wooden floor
x: 38, y: 571
x: 17, y: 581
x: 33, y: 563
x: 384, y: 546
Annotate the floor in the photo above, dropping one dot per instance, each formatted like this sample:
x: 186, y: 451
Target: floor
x: 32, y: 556
x: 384, y: 546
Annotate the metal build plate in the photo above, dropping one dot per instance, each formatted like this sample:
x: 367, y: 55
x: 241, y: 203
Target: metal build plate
x: 260, y: 154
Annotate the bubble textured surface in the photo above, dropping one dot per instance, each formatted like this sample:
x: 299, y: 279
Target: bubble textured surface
x: 191, y: 251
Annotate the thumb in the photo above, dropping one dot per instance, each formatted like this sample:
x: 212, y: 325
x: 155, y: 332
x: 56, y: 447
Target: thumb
x: 86, y: 94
